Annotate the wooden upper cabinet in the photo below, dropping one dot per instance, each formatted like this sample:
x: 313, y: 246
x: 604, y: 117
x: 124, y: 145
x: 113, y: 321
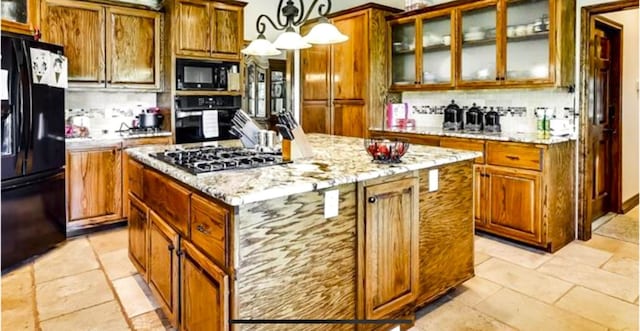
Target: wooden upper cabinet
x: 350, y: 58
x: 20, y: 16
x: 133, y: 47
x: 79, y: 27
x: 194, y: 28
x: 316, y: 70
x: 209, y: 28
x: 391, y: 247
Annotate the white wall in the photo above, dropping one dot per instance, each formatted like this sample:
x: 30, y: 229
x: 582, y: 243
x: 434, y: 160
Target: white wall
x: 629, y: 20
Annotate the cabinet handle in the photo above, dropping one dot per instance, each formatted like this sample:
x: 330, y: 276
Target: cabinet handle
x: 372, y: 199
x: 202, y: 229
x: 179, y: 252
x: 497, y: 77
x: 171, y: 247
x: 514, y: 158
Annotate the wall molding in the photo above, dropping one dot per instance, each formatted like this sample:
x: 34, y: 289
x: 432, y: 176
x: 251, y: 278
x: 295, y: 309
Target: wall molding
x: 630, y: 203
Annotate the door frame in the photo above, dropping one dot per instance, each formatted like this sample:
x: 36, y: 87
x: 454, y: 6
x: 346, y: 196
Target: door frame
x: 585, y: 180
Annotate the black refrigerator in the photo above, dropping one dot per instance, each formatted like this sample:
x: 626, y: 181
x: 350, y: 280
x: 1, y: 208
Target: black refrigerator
x: 33, y: 156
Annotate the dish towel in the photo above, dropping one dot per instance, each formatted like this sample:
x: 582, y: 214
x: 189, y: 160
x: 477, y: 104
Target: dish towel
x: 210, y: 124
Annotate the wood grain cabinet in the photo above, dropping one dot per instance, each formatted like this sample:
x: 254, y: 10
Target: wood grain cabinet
x: 391, y: 247
x: 483, y: 44
x: 107, y: 46
x: 19, y: 16
x: 138, y: 230
x: 209, y: 29
x: 345, y: 84
x: 163, y: 265
x: 94, y: 186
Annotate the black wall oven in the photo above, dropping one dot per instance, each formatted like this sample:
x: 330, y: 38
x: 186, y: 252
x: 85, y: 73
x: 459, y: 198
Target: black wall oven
x: 206, y: 75
x: 205, y: 118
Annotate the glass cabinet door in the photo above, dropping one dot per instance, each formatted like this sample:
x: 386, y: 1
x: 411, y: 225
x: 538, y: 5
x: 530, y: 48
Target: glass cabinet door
x: 403, y: 53
x: 478, y: 44
x: 527, y: 37
x: 14, y: 11
x: 436, y: 50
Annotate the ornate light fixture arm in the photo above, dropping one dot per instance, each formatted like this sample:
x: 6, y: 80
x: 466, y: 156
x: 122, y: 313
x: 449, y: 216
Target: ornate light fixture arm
x: 321, y: 11
x: 261, y: 27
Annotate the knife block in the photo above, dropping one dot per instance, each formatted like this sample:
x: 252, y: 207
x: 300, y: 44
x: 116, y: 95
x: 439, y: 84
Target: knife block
x: 298, y: 148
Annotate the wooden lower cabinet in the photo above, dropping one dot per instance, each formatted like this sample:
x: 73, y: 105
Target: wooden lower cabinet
x: 391, y: 247
x: 138, y: 225
x: 204, y: 297
x: 163, y: 265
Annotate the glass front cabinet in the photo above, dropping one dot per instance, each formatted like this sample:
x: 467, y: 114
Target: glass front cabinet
x: 484, y: 44
x: 18, y: 16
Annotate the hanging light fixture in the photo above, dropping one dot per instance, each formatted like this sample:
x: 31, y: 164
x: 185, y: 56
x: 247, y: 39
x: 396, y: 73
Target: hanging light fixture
x: 288, y: 18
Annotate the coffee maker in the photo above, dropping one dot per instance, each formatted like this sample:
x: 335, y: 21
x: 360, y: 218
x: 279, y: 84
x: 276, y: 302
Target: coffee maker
x: 474, y: 120
x: 453, y: 120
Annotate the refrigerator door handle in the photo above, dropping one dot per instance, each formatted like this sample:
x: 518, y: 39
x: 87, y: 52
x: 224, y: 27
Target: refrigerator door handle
x: 29, y: 150
x: 19, y: 103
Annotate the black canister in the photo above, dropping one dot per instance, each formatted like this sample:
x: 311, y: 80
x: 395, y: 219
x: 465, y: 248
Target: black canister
x: 492, y: 121
x: 453, y: 117
x: 474, y: 120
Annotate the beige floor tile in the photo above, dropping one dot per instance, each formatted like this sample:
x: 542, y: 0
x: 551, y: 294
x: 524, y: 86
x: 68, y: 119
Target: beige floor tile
x: 474, y: 290
x: 117, y: 264
x: 480, y: 257
x: 18, y: 305
x: 633, y: 213
x: 453, y: 315
x: 584, y: 254
x: 525, y: 313
x: 602, y: 243
x: 604, y: 281
x: 622, y: 265
x: 109, y: 241
x: 72, y: 293
x: 134, y: 295
x: 106, y: 316
x: 523, y: 280
x: 151, y: 321
x: 620, y: 227
x: 71, y: 258
x: 601, y: 308
x: 524, y: 256
x: 627, y: 250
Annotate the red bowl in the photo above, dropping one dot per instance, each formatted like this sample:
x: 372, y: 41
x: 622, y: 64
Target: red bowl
x: 385, y: 150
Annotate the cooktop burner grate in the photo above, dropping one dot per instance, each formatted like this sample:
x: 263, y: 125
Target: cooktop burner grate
x: 209, y: 159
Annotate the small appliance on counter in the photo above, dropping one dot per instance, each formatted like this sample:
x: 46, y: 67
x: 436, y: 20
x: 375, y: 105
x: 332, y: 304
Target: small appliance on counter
x: 150, y: 119
x: 492, y: 121
x: 453, y: 120
x: 474, y: 119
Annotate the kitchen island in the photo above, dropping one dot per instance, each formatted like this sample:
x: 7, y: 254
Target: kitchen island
x: 255, y: 243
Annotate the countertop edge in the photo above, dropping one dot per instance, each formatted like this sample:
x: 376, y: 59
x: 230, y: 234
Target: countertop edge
x: 525, y: 138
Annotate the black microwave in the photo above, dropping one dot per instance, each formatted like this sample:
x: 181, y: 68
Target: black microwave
x: 206, y: 75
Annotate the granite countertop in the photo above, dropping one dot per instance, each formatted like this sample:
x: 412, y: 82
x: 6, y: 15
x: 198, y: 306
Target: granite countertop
x: 337, y: 160
x: 531, y: 138
x: 110, y: 138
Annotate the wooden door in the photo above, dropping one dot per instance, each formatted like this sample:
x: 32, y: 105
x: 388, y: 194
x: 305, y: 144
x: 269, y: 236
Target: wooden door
x: 350, y: 58
x: 133, y: 48
x: 602, y: 118
x: 162, y: 268
x: 226, y: 30
x: 479, y: 196
x: 316, y: 117
x: 138, y: 231
x: 94, y: 185
x: 79, y: 27
x: 514, y: 200
x: 349, y: 118
x: 205, y: 292
x: 193, y: 22
x: 391, y: 246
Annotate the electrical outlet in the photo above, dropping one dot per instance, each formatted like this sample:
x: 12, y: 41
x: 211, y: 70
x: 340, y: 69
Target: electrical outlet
x: 433, y: 180
x: 331, y: 203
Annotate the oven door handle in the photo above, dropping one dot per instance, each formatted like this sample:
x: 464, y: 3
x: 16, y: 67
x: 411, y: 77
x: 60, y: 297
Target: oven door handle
x: 183, y: 114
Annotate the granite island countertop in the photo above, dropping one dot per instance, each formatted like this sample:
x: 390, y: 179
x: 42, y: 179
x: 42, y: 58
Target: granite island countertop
x: 337, y: 160
x: 531, y: 138
x: 110, y: 139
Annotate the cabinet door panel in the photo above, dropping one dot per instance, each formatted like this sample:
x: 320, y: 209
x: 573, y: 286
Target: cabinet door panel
x: 404, y: 64
x: 163, y: 265
x: 479, y: 48
x: 138, y: 233
x: 350, y: 58
x: 391, y: 249
x: 514, y: 203
x: 79, y: 28
x: 129, y: 63
x: 349, y: 118
x: 20, y: 17
x: 315, y: 71
x: 226, y: 29
x: 316, y: 117
x: 194, y: 25
x: 204, y: 292
x: 94, y: 185
x: 479, y: 196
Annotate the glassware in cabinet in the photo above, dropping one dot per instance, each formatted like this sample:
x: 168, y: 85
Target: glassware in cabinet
x: 527, y: 38
x: 479, y: 49
x: 403, y: 53
x: 436, y: 50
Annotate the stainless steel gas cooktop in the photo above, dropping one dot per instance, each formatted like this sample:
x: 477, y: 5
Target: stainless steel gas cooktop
x: 208, y: 159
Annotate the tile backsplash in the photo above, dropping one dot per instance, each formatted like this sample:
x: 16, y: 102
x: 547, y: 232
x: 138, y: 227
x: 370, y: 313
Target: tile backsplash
x: 425, y: 106
x: 106, y: 111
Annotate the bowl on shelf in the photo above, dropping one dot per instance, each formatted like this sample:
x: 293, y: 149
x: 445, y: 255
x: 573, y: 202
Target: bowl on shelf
x: 386, y: 150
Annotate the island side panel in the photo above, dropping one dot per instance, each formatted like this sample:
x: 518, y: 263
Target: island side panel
x: 292, y: 263
x: 446, y: 231
x: 559, y: 195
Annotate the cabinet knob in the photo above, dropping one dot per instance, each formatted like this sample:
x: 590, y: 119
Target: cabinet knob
x: 372, y: 199
x: 202, y: 229
x: 171, y: 247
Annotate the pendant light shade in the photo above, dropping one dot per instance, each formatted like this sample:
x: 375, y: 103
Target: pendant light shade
x: 260, y: 47
x: 290, y: 40
x: 325, y: 33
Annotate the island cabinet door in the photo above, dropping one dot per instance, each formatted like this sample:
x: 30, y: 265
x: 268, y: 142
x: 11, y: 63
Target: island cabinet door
x: 138, y: 231
x: 391, y: 247
x: 163, y: 265
x: 514, y: 203
x: 204, y: 299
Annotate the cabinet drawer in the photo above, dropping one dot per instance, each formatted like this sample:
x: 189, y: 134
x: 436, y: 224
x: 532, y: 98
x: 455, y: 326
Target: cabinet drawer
x: 208, y: 228
x: 470, y: 145
x: 514, y: 155
x: 134, y: 174
x: 169, y: 200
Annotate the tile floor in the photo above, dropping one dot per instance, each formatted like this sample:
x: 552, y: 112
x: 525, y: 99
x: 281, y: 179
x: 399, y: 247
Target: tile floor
x: 88, y: 283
